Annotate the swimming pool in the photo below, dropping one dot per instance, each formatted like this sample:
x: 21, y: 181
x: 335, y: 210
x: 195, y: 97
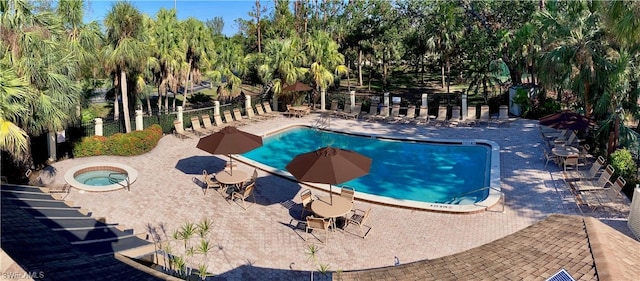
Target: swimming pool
x: 447, y: 175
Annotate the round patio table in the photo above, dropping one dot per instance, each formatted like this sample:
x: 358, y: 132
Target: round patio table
x: 232, y: 178
x: 564, y: 151
x: 324, y: 207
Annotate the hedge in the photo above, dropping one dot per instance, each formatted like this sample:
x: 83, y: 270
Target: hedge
x: 134, y: 143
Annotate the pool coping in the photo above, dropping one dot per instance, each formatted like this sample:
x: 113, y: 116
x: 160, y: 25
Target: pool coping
x: 70, y: 179
x: 495, y: 192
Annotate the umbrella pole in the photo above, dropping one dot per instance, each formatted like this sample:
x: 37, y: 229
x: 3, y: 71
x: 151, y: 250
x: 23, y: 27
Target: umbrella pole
x: 330, y: 194
x: 230, y: 165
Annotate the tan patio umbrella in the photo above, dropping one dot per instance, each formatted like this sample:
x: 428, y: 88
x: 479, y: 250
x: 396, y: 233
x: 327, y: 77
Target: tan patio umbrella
x: 297, y: 87
x: 329, y: 165
x: 229, y: 141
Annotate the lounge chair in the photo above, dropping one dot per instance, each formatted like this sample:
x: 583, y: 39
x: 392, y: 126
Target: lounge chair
x: 306, y: 198
x: 484, y: 115
x: 251, y: 115
x: 384, y: 113
x: 218, y: 119
x: 333, y: 110
x: 355, y: 113
x: 411, y: 114
x: 455, y: 116
x: 549, y: 157
x: 503, y: 115
x: 348, y: 193
x: 179, y: 130
x: 601, y: 183
x: 242, y: 120
x: 318, y: 224
x: 471, y: 119
x: 591, y: 174
x: 584, y: 153
x: 360, y: 218
x: 206, y: 122
x: 244, y: 194
x: 442, y: 115
x: 229, y: 119
x: 197, y: 128
x: 210, y: 181
x: 268, y: 111
x: 395, y: 114
x: 373, y: 111
x: 260, y: 112
x: 423, y: 115
x: 600, y: 198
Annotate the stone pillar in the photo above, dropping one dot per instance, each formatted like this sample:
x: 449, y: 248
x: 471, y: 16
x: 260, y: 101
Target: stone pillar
x: 180, y: 113
x: 323, y: 99
x: 386, y: 99
x: 464, y: 106
x: 352, y: 98
x: 247, y: 102
x: 51, y: 146
x: 98, y: 128
x: 216, y: 108
x: 139, y: 120
x: 425, y: 100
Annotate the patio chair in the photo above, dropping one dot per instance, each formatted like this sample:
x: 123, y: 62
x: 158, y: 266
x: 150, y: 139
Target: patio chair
x: 206, y: 121
x: 503, y: 115
x: 251, y: 115
x: 179, y: 130
x: 471, y: 119
x: 605, y: 197
x: 395, y: 114
x: 411, y: 114
x: 209, y: 181
x: 570, y: 161
x: 195, y: 126
x: 333, y: 110
x: 549, y: 157
x: 260, y: 112
x: 306, y: 198
x: 359, y: 217
x: 442, y: 115
x: 584, y: 153
x: 348, y: 193
x: 384, y: 113
x: 243, y: 195
x: 601, y: 183
x: 318, y: 224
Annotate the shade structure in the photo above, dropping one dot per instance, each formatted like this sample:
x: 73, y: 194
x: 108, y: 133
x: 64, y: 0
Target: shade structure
x: 566, y: 120
x: 329, y: 165
x: 229, y: 141
x: 297, y: 87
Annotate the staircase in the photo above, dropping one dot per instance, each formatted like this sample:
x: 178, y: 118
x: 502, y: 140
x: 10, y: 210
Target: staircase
x: 86, y: 233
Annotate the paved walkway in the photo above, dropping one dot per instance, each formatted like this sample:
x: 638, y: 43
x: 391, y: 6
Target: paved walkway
x: 165, y: 196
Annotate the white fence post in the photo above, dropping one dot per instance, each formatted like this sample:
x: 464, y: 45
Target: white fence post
x: 98, y: 128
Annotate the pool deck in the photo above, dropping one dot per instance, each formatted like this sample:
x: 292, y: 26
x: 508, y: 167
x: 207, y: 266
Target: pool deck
x: 260, y: 243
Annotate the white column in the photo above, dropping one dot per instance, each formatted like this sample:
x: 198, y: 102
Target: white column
x: 425, y: 100
x: 51, y: 142
x: 464, y: 106
x: 386, y: 99
x: 352, y: 97
x: 98, y: 127
x: 247, y: 101
x: 323, y: 99
x: 180, y: 113
x: 139, y: 121
x: 216, y: 108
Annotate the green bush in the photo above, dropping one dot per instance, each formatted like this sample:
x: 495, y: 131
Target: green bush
x: 134, y: 143
x: 625, y: 166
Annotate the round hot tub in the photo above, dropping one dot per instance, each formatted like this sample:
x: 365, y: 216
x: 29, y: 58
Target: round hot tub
x: 101, y: 176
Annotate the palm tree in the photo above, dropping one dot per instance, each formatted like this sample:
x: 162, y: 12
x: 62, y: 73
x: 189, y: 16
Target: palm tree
x: 32, y: 52
x: 447, y: 31
x: 326, y: 60
x: 282, y: 63
x: 199, y: 41
x: 125, y: 31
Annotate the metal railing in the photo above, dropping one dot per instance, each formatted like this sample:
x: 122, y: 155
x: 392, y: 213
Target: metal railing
x: 502, y: 196
x: 115, y: 180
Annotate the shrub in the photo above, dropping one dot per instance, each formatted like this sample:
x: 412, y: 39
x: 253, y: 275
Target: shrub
x: 90, y: 146
x: 134, y: 143
x: 625, y: 167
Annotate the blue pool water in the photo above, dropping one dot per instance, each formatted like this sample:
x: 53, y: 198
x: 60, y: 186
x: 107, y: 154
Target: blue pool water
x: 418, y: 171
x: 100, y: 178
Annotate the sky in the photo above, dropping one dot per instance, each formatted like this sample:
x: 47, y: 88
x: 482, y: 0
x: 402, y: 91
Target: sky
x: 203, y: 10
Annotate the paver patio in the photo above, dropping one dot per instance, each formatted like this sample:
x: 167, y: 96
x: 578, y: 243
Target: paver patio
x: 165, y: 196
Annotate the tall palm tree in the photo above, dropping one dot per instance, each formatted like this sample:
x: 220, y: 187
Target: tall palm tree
x: 447, y: 32
x: 125, y: 31
x: 198, y: 41
x: 282, y: 63
x: 15, y: 98
x: 169, y: 50
x: 326, y: 60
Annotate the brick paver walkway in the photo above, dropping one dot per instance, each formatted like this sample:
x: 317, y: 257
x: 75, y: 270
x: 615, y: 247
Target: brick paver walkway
x: 165, y: 195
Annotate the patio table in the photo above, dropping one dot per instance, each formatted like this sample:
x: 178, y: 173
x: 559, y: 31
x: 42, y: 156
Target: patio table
x: 324, y: 207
